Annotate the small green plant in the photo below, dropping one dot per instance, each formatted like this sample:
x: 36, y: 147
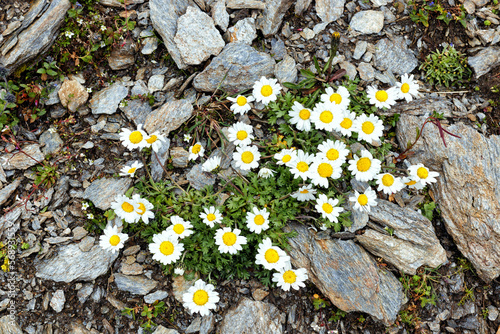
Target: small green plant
x: 409, y: 318
x: 446, y: 68
x: 428, y: 210
x: 418, y: 287
x: 422, y: 11
x: 319, y: 303
x: 485, y: 312
x: 337, y: 315
x: 50, y: 70
x: 25, y: 245
x: 46, y: 175
x: 469, y: 295
x: 147, y: 313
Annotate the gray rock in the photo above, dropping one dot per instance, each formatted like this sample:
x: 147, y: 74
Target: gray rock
x: 137, y: 111
x: 492, y: 313
x: 272, y: 15
x: 157, y: 295
x: 286, y: 70
x: 86, y: 244
x: 118, y: 3
x: 156, y: 82
x: 360, y: 49
x: 139, y: 88
x: 252, y: 317
x: 307, y: 34
x: 366, y: 71
x: 207, y: 324
x: 347, y: 275
x: 79, y: 232
x: 136, y: 285
x: 243, y: 4
x: 278, y: 48
x: 157, y: 171
x: 198, y: 179
x: 52, y: 142
x: 150, y: 45
x: 107, y: 100
x: 19, y: 160
x: 53, y: 97
x: 102, y: 192
x: 241, y: 64
x: 368, y: 22
x: 35, y: 36
x: 8, y: 325
x: 179, y: 157
x: 123, y: 55
x: 301, y: 5
x: 57, y: 301
x: 162, y: 330
x: 11, y: 27
x: 220, y: 15
x: 169, y: 117
x: 480, y: 3
x: 243, y: 31
x: 466, y: 191
x: 197, y: 38
x: 72, y: 264
x: 485, y: 60
x: 330, y: 10
x: 394, y: 55
x: 351, y: 71
x: 131, y: 269
x: 486, y: 36
x: 6, y: 191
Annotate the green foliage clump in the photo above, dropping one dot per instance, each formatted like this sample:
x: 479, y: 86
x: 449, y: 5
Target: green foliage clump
x: 422, y: 11
x: 446, y: 68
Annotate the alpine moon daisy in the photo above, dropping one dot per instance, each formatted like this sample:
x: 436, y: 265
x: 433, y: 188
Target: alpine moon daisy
x: 112, y: 240
x: 388, y: 183
x: 305, y: 193
x: 211, y: 164
x: 369, y: 128
x: 340, y: 97
x: 299, y: 166
x: 241, y: 134
x: 257, y: 220
x: 229, y: 241
x: 364, y: 201
x: 265, y: 90
x: 422, y: 174
x: 241, y: 104
x: 300, y: 116
x: 134, y: 139
x: 180, y: 228
x: 200, y: 298
x: 130, y: 170
x: 156, y: 140
x: 211, y: 216
x: 266, y: 173
x: 246, y: 157
x: 144, y: 209
x: 382, y: 98
x: 365, y: 167
x: 412, y: 184
x: 327, y: 207
x: 288, y: 278
x: 166, y: 248
x: 323, y: 169
x: 271, y: 257
x: 285, y: 156
x: 126, y: 208
x: 334, y: 151
x: 326, y: 116
x: 195, y: 151
x: 346, y: 124
x: 408, y: 88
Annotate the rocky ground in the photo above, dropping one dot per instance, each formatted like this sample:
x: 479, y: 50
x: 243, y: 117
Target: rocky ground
x: 167, y: 66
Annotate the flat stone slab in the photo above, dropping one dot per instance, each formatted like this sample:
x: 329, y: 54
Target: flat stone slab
x: 168, y: 117
x: 102, y: 192
x: 395, y: 56
x: 19, y: 160
x: 136, y: 285
x: 107, y: 100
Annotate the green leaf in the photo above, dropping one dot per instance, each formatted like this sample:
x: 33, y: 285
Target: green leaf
x: 41, y: 71
x: 52, y: 73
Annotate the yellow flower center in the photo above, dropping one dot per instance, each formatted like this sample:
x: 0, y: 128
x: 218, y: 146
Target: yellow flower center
x: 247, y: 157
x: 178, y: 228
x: 114, y: 240
x: 135, y: 137
x: 328, y: 208
x: 266, y: 90
x: 363, y: 199
x: 405, y: 88
x: 242, y: 134
x: 346, y: 123
x: 325, y: 170
x: 132, y: 170
x: 412, y: 182
x: 241, y: 101
x: 289, y: 277
x: 363, y: 164
x: 196, y: 149
x: 336, y: 98
x: 286, y: 158
x: 142, y: 209
x: 127, y: 207
x: 259, y: 220
x: 271, y: 256
x: 367, y: 127
x: 229, y: 238
x: 304, y: 114
x: 152, y: 139
x: 381, y: 95
x: 166, y: 248
x: 387, y: 180
x: 302, y: 167
x: 422, y: 172
x: 200, y: 297
x: 332, y: 154
x: 326, y: 116
x: 211, y: 217
x: 305, y: 191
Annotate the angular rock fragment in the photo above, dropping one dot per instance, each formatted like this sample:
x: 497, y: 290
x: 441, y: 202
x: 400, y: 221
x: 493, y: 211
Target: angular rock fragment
x: 272, y: 15
x: 107, y: 100
x: 368, y: 21
x: 136, y: 285
x: 330, y: 10
x: 20, y: 160
x: 72, y: 94
x: 395, y: 56
x: 168, y: 117
x: 485, y: 60
x: 102, y: 192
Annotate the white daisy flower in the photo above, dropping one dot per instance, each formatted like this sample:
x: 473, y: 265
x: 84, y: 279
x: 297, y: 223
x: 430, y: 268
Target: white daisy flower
x: 266, y: 173
x: 134, y: 139
x: 126, y: 208
x: 156, y: 140
x: 285, y: 156
x: 166, y: 248
x: 369, y: 128
x: 241, y: 104
x: 89, y: 90
x: 408, y: 88
x: 299, y: 166
x: 382, y: 98
x: 180, y: 227
x: 271, y: 257
x: 258, y: 220
x: 388, y: 183
x: 421, y: 174
x: 246, y: 157
x: 334, y: 151
x: 364, y: 201
x: 305, y: 193
x: 130, y: 170
x: 241, y: 134
x: 112, y: 240
x: 200, y: 298
x: 365, y: 167
x: 90, y: 216
x: 340, y: 97
x: 69, y: 34
x: 265, y: 90
x: 327, y: 207
x: 300, y: 116
x: 195, y: 151
x: 346, y: 125
x: 229, y: 241
x: 211, y: 216
x: 85, y: 206
x: 179, y: 271
x: 187, y: 138
x: 321, y: 170
x: 144, y: 209
x: 288, y: 278
x: 412, y: 184
x: 211, y: 164
x: 326, y: 116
